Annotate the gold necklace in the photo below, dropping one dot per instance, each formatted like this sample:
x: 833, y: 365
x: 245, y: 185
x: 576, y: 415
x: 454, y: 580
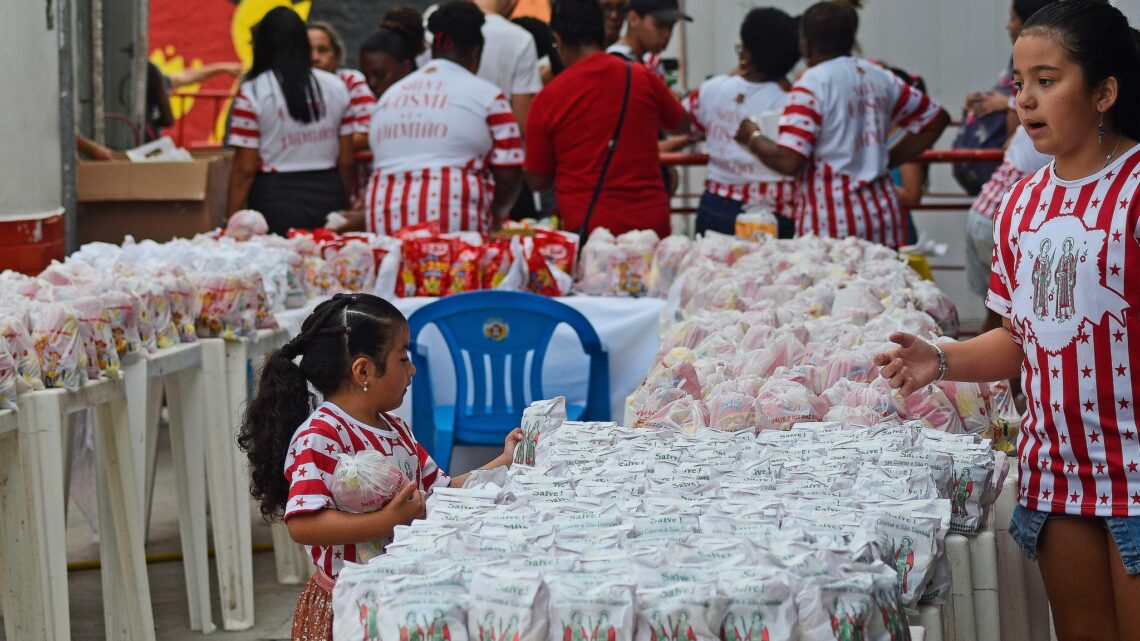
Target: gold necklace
x: 1108, y: 158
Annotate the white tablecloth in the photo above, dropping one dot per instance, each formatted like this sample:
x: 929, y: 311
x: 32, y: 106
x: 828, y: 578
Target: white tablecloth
x: 628, y: 328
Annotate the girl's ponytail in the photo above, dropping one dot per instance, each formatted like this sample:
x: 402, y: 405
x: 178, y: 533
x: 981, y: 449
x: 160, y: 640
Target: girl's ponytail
x: 282, y: 403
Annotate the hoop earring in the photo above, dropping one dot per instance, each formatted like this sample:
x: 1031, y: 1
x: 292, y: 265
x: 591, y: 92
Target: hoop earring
x: 1100, y: 131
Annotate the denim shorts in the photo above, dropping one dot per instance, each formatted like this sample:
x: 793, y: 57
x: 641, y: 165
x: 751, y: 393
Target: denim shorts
x: 717, y: 213
x: 1026, y: 525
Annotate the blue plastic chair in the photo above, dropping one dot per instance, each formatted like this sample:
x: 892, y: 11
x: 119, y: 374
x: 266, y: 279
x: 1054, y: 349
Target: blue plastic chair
x: 502, y: 327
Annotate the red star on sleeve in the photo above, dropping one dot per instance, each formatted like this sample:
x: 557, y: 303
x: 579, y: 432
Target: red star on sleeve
x: 1073, y: 497
x: 300, y: 502
x: 1115, y: 269
x: 1132, y: 465
x: 330, y: 449
x: 1094, y: 437
x: 1045, y: 494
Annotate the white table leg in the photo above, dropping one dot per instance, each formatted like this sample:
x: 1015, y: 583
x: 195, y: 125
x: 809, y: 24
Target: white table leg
x: 126, y: 587
x: 187, y: 405
x: 294, y: 567
x: 33, y: 563
x: 961, y: 590
x: 231, y: 525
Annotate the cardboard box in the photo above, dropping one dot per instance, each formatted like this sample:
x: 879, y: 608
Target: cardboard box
x: 155, y: 200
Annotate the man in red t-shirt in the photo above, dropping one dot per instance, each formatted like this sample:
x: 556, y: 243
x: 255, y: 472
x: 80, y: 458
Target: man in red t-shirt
x: 573, y: 119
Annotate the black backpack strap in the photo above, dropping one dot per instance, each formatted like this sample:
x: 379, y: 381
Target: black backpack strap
x: 610, y: 149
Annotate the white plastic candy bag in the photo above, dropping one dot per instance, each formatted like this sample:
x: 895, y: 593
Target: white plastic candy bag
x: 541, y: 416
x: 508, y: 605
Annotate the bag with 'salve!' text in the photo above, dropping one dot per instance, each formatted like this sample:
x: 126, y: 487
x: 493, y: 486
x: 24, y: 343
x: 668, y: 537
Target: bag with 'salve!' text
x: 541, y: 417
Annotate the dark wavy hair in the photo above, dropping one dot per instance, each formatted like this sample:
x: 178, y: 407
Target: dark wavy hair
x: 1097, y: 37
x: 281, y: 47
x: 401, y: 35
x: 339, y: 331
x: 772, y: 41
x: 578, y: 22
x: 829, y: 27
x: 457, y: 27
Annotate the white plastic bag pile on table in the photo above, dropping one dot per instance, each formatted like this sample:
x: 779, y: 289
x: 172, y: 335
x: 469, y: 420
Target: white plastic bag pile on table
x: 825, y: 531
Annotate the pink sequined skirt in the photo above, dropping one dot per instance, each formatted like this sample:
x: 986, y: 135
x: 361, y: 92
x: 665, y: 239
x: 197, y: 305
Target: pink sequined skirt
x: 312, y: 620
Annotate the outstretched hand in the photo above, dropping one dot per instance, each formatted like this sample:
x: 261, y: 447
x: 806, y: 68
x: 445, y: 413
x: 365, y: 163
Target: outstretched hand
x: 912, y: 366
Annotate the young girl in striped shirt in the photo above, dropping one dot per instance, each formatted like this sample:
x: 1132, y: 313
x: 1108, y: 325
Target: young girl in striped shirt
x: 1065, y: 267
x: 354, y: 351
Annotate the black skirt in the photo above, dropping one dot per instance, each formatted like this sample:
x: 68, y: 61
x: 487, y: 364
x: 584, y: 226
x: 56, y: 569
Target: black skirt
x: 297, y: 199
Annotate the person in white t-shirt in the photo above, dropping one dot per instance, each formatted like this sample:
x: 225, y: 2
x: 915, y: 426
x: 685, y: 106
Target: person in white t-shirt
x: 510, y: 59
x: 736, y: 179
x: 834, y: 130
x: 446, y: 145
x: 291, y: 126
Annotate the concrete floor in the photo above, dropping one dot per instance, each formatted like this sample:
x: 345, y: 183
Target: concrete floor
x: 273, y: 602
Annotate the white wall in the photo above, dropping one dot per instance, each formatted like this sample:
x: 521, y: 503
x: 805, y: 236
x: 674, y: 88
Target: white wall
x: 29, y: 112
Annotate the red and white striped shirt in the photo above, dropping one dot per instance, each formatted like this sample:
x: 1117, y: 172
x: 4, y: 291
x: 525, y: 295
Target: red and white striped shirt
x: 839, y: 115
x: 717, y: 108
x: 260, y: 120
x: 360, y: 103
x: 435, y: 136
x: 360, y: 99
x: 312, y: 458
x: 1064, y: 253
x: 1021, y: 159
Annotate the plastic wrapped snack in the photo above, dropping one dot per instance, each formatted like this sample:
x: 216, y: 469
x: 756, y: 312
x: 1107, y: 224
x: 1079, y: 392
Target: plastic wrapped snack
x: 246, y: 224
x: 8, y: 377
x: 55, y: 332
x: 354, y: 266
x: 667, y: 257
x: 427, y: 266
x: 510, y: 605
x: 559, y: 248
x: 318, y: 277
x: 685, y: 415
x: 732, y: 411
x: 782, y: 404
x: 180, y: 294
x: 463, y: 275
x: 365, y: 481
x: 541, y: 417
x: 932, y: 407
x: 98, y: 339
x: 123, y: 311
x: 23, y: 349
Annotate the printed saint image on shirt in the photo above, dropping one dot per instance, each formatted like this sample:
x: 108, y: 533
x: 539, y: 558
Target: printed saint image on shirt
x: 1056, y: 259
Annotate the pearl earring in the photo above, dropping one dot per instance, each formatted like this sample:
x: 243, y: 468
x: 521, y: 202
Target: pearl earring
x: 365, y: 387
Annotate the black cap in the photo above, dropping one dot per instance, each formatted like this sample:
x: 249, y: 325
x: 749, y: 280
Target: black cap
x: 663, y: 10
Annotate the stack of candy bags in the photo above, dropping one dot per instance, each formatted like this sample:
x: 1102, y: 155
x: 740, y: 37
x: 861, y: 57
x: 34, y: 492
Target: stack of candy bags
x: 76, y: 321
x: 787, y: 334
x: 828, y: 530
